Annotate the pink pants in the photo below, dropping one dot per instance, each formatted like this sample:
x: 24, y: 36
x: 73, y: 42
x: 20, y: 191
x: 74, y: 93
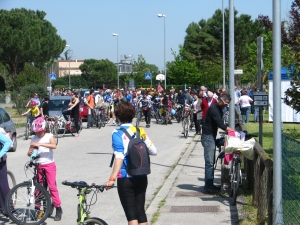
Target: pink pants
x: 50, y: 172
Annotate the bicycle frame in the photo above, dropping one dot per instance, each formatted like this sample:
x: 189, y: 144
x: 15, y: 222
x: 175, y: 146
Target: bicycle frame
x: 82, y: 212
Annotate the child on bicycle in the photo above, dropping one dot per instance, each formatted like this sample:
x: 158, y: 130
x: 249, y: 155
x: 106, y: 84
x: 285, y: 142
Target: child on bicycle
x: 44, y: 142
x: 34, y: 109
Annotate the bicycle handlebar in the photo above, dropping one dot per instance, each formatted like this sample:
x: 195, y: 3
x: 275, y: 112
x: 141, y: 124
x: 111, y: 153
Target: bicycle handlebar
x: 83, y: 184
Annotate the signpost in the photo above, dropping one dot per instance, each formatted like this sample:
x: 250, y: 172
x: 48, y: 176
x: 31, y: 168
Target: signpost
x: 148, y: 76
x: 238, y: 71
x: 52, y: 77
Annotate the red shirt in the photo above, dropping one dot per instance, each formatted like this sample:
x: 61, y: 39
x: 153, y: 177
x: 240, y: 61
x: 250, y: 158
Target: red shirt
x: 205, y: 106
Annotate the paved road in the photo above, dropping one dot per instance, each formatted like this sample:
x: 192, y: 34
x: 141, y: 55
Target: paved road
x: 87, y: 158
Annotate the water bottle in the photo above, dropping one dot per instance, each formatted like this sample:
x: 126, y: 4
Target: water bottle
x: 35, y: 152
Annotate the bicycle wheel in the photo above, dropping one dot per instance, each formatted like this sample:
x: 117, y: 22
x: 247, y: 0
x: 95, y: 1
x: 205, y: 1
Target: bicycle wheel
x: 236, y: 183
x: 103, y: 120
x: 55, y: 131
x: 94, y: 220
x: 11, y: 183
x: 183, y: 126
x: 61, y: 128
x: 30, y: 208
x: 138, y: 118
x: 11, y: 179
x: 167, y: 116
x: 27, y: 131
x: 187, y: 128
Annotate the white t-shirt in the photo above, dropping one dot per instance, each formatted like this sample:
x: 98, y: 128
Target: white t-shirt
x: 245, y: 101
x: 46, y: 154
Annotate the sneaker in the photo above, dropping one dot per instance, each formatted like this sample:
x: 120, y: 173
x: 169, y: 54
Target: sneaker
x: 76, y: 135
x: 113, y: 123
x: 109, y: 122
x: 170, y: 122
x: 147, y: 125
x: 58, y: 214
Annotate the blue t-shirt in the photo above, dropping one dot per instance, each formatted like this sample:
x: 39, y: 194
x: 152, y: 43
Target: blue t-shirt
x: 128, y: 97
x: 108, y: 99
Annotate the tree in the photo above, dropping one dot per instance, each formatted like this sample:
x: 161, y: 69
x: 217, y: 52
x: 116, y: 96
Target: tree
x: 27, y: 37
x: 204, y: 43
x: 97, y: 72
x: 139, y: 68
x: 30, y: 75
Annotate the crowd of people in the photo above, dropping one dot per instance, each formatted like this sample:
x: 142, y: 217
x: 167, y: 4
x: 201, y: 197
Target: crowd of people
x: 207, y: 109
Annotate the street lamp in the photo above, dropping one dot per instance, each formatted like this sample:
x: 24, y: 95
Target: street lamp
x: 117, y: 35
x: 69, y: 66
x: 164, y: 16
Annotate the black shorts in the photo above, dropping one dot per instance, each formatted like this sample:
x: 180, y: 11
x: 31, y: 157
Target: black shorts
x: 132, y: 194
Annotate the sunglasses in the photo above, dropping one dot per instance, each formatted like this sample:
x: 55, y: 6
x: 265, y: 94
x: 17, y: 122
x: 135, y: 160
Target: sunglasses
x: 225, y: 103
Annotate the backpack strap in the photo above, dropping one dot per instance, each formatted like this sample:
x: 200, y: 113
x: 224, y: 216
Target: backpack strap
x: 128, y: 135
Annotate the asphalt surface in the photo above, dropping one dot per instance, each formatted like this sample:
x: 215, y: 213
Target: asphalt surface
x: 175, y: 192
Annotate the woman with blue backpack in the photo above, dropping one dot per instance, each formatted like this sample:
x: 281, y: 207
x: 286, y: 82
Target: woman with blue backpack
x: 131, y: 171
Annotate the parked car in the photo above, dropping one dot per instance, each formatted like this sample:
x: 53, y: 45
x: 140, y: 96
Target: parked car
x: 59, y: 103
x: 9, y: 126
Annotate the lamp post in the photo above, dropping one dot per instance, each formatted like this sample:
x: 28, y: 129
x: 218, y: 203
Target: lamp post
x: 164, y: 16
x: 223, y: 34
x: 69, y: 66
x: 117, y: 35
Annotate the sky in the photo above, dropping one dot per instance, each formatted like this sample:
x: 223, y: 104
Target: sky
x: 88, y: 25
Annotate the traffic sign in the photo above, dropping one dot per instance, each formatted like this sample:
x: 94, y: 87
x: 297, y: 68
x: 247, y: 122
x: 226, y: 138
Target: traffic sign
x: 148, y: 76
x: 238, y: 71
x: 53, y: 76
x: 260, y: 99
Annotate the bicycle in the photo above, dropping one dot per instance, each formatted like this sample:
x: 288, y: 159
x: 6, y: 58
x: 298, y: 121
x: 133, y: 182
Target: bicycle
x: 53, y: 126
x: 179, y: 113
x: 186, y: 121
x: 139, y: 113
x: 166, y: 114
x: 235, y: 175
x: 27, y: 128
x: 70, y: 126
x: 32, y: 201
x: 83, y: 217
x: 157, y: 114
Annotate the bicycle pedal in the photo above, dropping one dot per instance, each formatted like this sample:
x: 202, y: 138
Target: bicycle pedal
x: 40, y: 215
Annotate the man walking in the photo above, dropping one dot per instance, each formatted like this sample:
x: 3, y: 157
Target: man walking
x: 210, y: 127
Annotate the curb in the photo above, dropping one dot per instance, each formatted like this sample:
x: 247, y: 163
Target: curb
x: 168, y: 184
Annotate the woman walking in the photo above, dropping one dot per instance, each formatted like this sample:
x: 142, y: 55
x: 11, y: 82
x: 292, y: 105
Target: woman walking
x: 131, y: 189
x: 245, y: 102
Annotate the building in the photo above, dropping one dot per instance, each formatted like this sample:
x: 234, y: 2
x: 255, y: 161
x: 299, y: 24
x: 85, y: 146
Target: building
x: 66, y: 67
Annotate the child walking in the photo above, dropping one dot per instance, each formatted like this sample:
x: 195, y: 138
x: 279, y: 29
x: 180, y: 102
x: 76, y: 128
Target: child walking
x: 45, y: 143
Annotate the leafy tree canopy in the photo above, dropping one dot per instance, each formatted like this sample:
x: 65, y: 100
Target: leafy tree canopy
x: 27, y: 37
x: 30, y: 75
x: 97, y: 72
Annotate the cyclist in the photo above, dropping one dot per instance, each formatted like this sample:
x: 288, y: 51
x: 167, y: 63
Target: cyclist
x: 146, y: 107
x: 165, y: 102
x: 45, y: 143
x: 131, y: 189
x: 180, y: 101
x: 73, y: 110
x: 35, y: 111
x: 35, y: 98
x: 4, y: 188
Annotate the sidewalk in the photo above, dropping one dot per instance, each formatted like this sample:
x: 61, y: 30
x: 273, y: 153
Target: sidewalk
x: 182, y: 200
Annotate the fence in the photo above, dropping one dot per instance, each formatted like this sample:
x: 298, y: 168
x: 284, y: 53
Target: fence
x: 290, y: 180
